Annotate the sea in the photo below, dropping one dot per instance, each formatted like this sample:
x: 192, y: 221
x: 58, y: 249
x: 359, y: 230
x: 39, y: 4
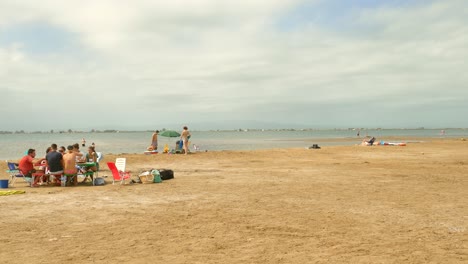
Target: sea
x: 14, y: 146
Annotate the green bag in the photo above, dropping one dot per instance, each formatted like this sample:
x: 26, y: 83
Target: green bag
x: 156, y: 176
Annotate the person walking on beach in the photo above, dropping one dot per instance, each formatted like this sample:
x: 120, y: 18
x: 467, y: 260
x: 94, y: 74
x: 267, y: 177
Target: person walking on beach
x: 154, y: 140
x: 83, y: 142
x: 184, y: 136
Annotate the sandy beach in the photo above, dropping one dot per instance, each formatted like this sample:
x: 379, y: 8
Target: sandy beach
x: 340, y: 204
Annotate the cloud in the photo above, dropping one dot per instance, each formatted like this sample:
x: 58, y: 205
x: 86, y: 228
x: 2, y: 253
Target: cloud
x: 156, y: 62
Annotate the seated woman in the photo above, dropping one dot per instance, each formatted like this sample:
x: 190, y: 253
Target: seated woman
x: 62, y: 150
x: 91, y: 156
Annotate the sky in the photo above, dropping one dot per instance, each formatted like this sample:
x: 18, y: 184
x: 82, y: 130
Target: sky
x: 217, y: 64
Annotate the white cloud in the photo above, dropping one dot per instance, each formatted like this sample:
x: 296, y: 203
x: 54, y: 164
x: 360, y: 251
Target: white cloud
x: 223, y: 60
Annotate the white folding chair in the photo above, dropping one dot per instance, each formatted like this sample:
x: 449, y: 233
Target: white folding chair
x: 120, y: 163
x: 100, y: 156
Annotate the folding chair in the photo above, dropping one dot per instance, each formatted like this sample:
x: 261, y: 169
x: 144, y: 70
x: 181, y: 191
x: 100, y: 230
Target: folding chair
x: 36, y: 177
x: 120, y: 163
x: 100, y: 156
x: 118, y: 175
x: 57, y: 177
x: 15, y: 173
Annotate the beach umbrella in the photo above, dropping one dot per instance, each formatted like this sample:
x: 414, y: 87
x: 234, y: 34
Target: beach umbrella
x: 169, y: 133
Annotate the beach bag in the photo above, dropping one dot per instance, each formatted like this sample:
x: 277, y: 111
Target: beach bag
x: 99, y: 181
x: 156, y: 176
x: 166, y: 174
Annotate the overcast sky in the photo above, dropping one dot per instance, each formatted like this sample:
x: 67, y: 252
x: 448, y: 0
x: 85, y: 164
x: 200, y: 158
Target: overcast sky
x: 146, y: 64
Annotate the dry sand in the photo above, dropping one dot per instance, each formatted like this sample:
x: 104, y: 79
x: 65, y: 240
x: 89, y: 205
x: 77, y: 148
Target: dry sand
x: 344, y: 204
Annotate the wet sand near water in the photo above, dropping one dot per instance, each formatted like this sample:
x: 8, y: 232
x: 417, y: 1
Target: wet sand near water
x: 338, y: 204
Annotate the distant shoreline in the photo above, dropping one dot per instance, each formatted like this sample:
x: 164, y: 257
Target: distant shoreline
x: 7, y: 132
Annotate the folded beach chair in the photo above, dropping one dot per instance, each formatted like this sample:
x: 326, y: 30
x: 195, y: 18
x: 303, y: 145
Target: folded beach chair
x: 118, y: 175
x: 99, y: 158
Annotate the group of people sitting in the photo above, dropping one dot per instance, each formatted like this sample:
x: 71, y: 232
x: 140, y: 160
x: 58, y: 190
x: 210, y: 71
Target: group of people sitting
x: 58, y: 162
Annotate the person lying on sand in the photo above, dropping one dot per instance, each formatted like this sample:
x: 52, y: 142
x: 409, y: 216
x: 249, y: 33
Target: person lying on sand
x: 369, y: 142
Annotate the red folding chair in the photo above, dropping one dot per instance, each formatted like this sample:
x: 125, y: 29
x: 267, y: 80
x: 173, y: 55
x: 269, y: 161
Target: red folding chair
x: 118, y: 175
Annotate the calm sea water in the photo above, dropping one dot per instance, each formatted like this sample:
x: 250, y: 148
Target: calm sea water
x: 13, y: 146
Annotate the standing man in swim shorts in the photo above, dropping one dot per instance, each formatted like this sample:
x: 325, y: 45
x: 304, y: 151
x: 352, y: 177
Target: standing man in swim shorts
x: 184, y: 136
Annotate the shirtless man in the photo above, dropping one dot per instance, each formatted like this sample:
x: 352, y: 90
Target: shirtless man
x: 69, y: 163
x: 184, y: 136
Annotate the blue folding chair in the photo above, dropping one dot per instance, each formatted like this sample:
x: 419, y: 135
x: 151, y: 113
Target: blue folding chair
x: 16, y: 173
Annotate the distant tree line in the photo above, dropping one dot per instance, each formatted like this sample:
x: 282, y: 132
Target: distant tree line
x: 60, y: 131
